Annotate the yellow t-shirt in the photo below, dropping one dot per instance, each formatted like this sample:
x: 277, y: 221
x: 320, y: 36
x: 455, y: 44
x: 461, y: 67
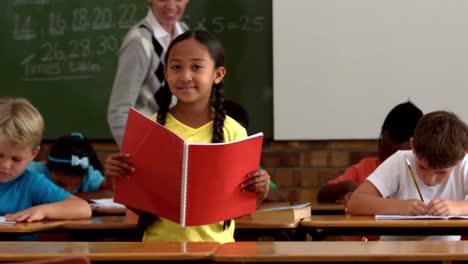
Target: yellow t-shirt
x: 166, y: 230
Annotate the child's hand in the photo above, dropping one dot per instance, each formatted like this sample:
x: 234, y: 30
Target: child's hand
x: 258, y: 182
x: 414, y: 207
x: 115, y: 166
x: 35, y: 213
x: 347, y: 197
x: 441, y: 206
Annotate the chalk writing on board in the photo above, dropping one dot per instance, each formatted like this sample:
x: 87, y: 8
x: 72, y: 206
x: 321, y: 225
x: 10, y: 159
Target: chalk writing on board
x: 67, y: 48
x: 73, y: 43
x: 220, y: 24
x: 26, y: 2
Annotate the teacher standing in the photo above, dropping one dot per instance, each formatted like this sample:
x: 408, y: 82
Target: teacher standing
x: 140, y: 68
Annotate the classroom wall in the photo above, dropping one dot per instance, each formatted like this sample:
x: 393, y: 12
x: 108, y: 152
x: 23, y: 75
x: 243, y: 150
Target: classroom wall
x: 299, y: 168
x: 340, y: 66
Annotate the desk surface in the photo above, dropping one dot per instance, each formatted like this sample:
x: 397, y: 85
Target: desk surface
x: 30, y: 227
x: 247, y: 222
x: 347, y: 251
x: 105, y: 251
x: 107, y: 210
x: 101, y: 222
x: 338, y: 206
x: 122, y: 229
x: 321, y: 221
x: 121, y: 222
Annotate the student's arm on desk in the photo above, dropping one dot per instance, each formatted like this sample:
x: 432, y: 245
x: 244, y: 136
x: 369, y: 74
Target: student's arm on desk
x: 331, y: 193
x: 367, y: 200
x: 70, y: 208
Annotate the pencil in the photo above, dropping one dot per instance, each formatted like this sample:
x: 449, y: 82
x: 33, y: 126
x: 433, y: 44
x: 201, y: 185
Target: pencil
x: 414, y: 180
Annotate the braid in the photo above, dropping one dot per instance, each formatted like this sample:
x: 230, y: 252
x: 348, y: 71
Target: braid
x: 218, y: 124
x: 163, y: 98
x: 220, y: 114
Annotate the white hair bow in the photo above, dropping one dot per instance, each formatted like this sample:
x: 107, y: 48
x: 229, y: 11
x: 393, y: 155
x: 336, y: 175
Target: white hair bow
x: 82, y: 162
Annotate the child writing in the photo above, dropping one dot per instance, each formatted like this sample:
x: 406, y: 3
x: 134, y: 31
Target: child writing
x: 26, y: 195
x: 72, y: 164
x: 194, y: 71
x: 396, y: 131
x: 438, y: 159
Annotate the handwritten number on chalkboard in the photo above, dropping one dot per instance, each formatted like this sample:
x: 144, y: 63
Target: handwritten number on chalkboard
x: 102, y: 18
x: 52, y: 52
x: 219, y: 24
x: 80, y: 20
x: 244, y: 23
x: 127, y: 17
x: 57, y: 24
x: 74, y: 49
x: 22, y: 29
x: 258, y: 24
x: 85, y: 45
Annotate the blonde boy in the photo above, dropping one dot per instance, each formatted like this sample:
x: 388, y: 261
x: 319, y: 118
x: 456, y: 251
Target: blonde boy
x: 438, y: 158
x: 25, y: 195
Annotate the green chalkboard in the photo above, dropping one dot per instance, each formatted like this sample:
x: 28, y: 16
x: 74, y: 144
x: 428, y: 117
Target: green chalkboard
x: 62, y: 55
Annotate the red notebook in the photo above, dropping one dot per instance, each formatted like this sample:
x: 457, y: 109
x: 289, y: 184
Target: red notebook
x: 188, y: 183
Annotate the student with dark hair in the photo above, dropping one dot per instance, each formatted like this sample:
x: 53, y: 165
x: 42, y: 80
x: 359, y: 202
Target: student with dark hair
x: 72, y: 164
x: 237, y: 112
x: 397, y: 129
x: 194, y: 70
x: 440, y: 184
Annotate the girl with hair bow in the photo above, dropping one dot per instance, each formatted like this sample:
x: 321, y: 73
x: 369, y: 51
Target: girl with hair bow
x: 72, y: 164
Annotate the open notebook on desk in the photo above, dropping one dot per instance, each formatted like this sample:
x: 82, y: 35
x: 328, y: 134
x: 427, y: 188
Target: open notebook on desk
x: 4, y: 222
x: 412, y: 217
x: 106, y: 203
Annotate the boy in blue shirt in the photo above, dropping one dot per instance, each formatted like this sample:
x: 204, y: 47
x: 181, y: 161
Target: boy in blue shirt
x: 26, y: 196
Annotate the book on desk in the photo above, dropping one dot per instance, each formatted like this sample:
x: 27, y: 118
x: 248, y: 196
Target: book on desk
x: 188, y: 183
x: 291, y: 212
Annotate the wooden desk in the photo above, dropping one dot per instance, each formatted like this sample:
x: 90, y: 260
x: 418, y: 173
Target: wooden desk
x: 337, y: 208
x: 33, y: 227
x: 316, y: 207
x: 249, y: 229
x: 17, y: 230
x: 100, y: 222
x: 103, y: 211
x: 343, y: 251
x: 109, y: 251
x: 321, y: 226
x: 118, y: 228
x: 99, y: 228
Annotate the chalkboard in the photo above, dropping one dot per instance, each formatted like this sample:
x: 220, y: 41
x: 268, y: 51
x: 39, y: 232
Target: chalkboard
x: 62, y: 56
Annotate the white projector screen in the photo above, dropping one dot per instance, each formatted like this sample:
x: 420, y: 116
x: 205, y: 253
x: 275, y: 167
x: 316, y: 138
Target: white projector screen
x: 339, y: 66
